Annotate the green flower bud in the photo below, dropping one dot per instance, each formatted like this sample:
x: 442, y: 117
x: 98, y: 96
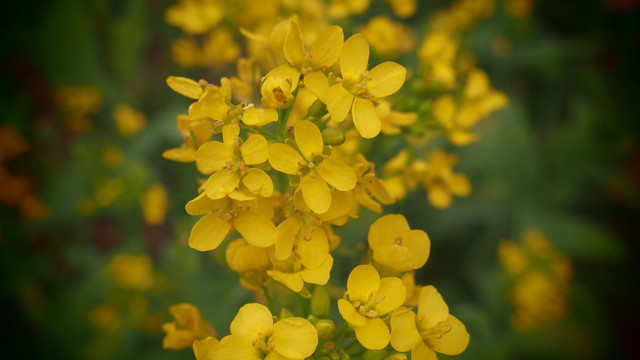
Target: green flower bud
x: 396, y: 356
x: 374, y: 355
x: 345, y: 356
x: 317, y: 108
x: 320, y: 301
x: 326, y: 328
x: 333, y: 136
x: 334, y: 356
x: 285, y: 313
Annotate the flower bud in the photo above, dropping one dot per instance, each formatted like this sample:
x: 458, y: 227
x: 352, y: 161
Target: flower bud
x: 374, y: 355
x: 345, y: 356
x: 285, y: 313
x: 396, y: 356
x: 317, y: 108
x: 333, y: 136
x: 326, y: 328
x: 320, y: 302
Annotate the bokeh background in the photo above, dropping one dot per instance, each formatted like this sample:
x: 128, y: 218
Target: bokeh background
x: 88, y: 272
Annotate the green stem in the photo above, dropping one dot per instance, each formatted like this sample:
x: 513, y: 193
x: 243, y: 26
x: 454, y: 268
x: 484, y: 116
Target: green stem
x: 350, y: 345
x: 269, y: 302
x: 302, y: 306
x: 263, y: 132
x: 282, y: 125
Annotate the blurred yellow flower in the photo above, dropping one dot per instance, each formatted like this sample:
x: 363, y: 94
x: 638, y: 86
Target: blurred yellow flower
x: 105, y: 316
x: 195, y: 16
x: 371, y: 297
x: 387, y: 38
x: 188, y: 326
x: 130, y: 271
x: 440, y: 180
x: 129, y: 121
x: 403, y: 8
x: 155, y: 204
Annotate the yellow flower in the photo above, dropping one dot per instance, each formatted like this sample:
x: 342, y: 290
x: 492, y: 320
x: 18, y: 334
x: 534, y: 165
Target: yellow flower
x: 78, y: 100
x: 255, y: 336
x: 315, y: 169
x: 131, y: 271
x: 392, y: 121
x: 187, y: 327
x: 324, y: 52
x: 437, y: 54
x: 194, y: 16
x: 155, y: 203
x: 432, y: 329
x: 277, y: 91
x: 370, y: 298
x: 219, y: 49
x: 519, y: 8
x: 369, y: 186
x: 243, y: 85
x: 246, y: 217
x: 395, y: 246
x: 249, y: 261
x: 202, y: 348
x: 344, y: 8
x: 357, y: 88
x: 194, y: 133
x: 129, y: 121
x: 387, y: 38
x: 293, y: 273
x: 413, y: 290
x: 440, y: 180
x: 403, y: 8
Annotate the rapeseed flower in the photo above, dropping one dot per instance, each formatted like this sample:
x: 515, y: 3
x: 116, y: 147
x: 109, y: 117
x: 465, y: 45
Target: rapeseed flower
x: 431, y: 330
x: 188, y: 326
x: 369, y: 298
x: 395, y: 246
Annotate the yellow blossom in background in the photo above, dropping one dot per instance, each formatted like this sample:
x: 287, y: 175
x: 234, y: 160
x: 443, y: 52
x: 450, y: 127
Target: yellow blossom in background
x: 369, y: 298
x: 185, y: 51
x: 130, y: 271
x: 393, y: 121
x: 129, y: 121
x: 188, y: 326
x: 155, y: 204
x: 218, y: 49
x: 397, y: 248
x: 388, y: 39
x: 541, y: 276
x: 370, y: 191
x: 343, y: 8
x: 255, y: 336
x: 403, y: 8
x: 108, y: 191
x: 431, y: 330
x: 441, y: 182
x: 437, y: 55
x: 78, y: 100
x: 462, y: 14
x: 105, y: 316
x: 358, y: 86
x: 195, y: 16
x: 413, y: 290
x: 519, y: 8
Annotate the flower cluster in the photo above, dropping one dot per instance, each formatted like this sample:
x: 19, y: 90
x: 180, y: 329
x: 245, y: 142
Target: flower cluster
x: 285, y: 151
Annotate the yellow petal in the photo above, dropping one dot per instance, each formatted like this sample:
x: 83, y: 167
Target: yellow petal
x: 432, y: 307
x: 385, y: 229
x: 316, y: 193
x: 381, y: 191
x: 202, y: 348
x: 291, y: 280
x: 338, y: 101
x: 201, y: 204
x: 374, y: 335
x: 354, y: 58
x: 185, y: 87
x: 453, y: 342
x: 252, y: 319
x: 341, y: 205
x: 419, y: 244
x: 235, y: 347
x: 315, y: 250
x: 180, y: 154
x: 211, y: 104
x: 319, y: 275
x: 337, y: 173
x: 221, y: 183
x: 254, y: 150
x: 460, y: 185
x: 365, y: 118
x: 284, y: 158
x: 294, y: 45
x: 349, y: 313
x: 422, y: 352
x: 309, y: 139
x: 256, y: 228
x: 317, y: 83
x: 439, y: 197
x: 404, y: 333
x: 326, y: 50
x: 295, y: 337
x: 462, y: 137
x: 386, y: 79
x: 286, y: 234
x: 259, y: 117
x: 395, y: 257
x: 208, y: 233
x: 393, y: 292
x: 362, y: 281
x: 258, y: 182
x: 213, y: 156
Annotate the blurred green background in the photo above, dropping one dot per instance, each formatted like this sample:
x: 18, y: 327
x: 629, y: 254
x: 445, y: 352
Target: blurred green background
x: 564, y: 157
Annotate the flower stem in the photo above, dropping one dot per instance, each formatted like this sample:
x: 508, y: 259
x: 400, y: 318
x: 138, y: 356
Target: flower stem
x: 269, y: 301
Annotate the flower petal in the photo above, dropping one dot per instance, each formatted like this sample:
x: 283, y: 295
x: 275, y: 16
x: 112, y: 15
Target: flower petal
x: 404, y: 333
x: 422, y: 352
x: 393, y: 292
x: 386, y: 79
x: 294, y: 45
x: 337, y: 173
x: 221, y: 183
x: 208, y: 233
x: 256, y: 228
x: 234, y: 347
x: 316, y: 194
x: 315, y: 250
x: 319, y: 275
x: 309, y: 139
x: 258, y: 182
x: 254, y: 150
x: 202, y: 348
x: 365, y: 118
x: 432, y: 306
x: 326, y: 50
x: 317, y: 83
x: 419, y: 244
x: 354, y: 58
x: 185, y: 86
x: 286, y: 234
x: 338, y: 101
x: 363, y: 280
x: 454, y: 342
x: 385, y: 229
x: 295, y: 338
x: 439, y: 197
x: 213, y: 156
x: 252, y: 319
x: 284, y: 158
x: 350, y: 314
x: 374, y: 335
x: 291, y: 280
x: 254, y: 116
x: 201, y: 204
